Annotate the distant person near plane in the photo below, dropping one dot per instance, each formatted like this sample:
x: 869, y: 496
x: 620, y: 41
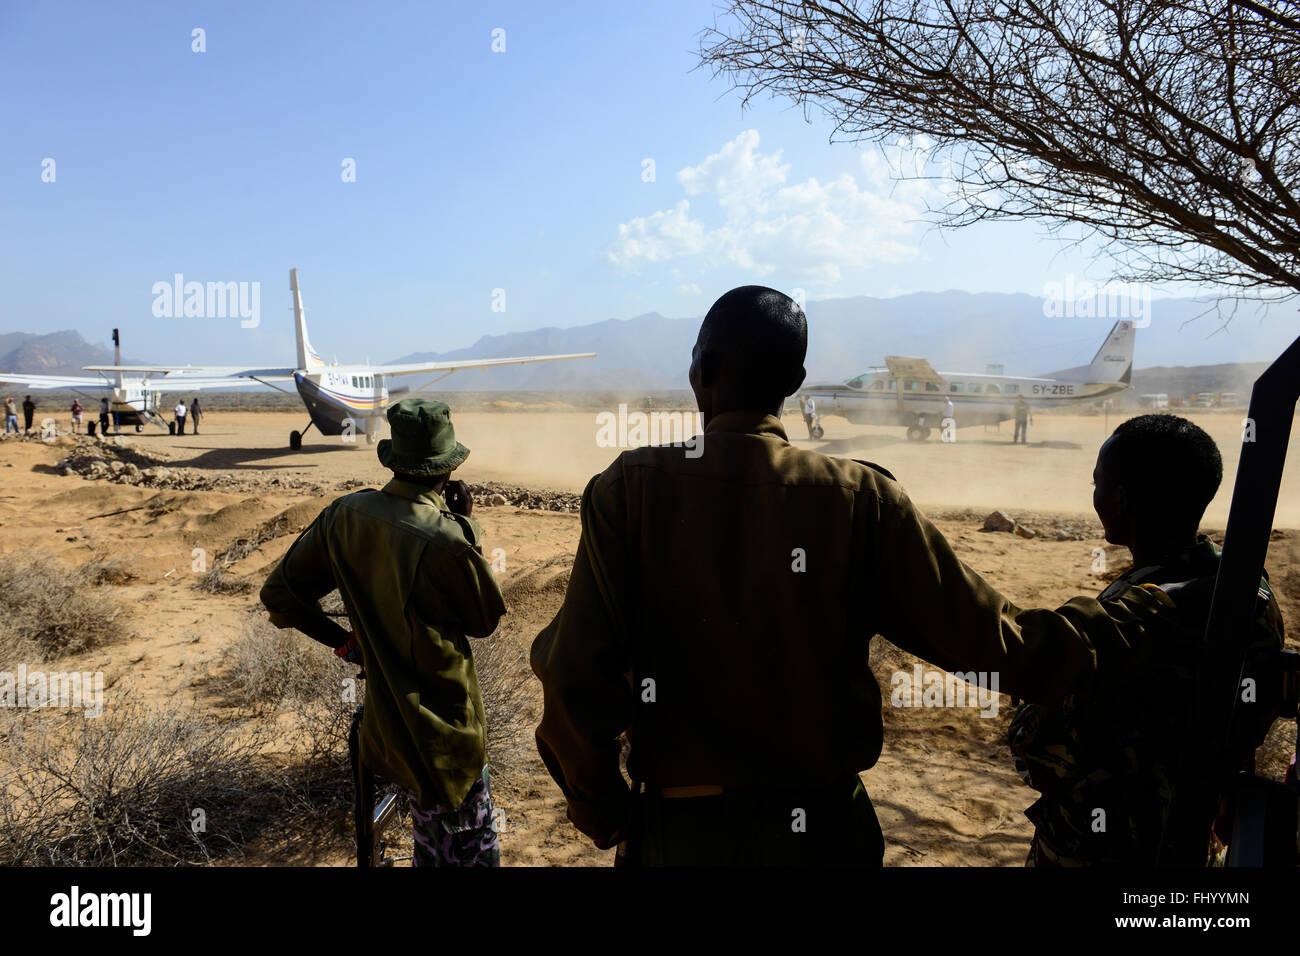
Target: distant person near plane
x: 11, y: 417
x: 29, y: 412
x: 77, y: 409
x: 809, y: 414
x: 1022, y: 422
x: 180, y: 412
x: 103, y: 417
x: 196, y: 413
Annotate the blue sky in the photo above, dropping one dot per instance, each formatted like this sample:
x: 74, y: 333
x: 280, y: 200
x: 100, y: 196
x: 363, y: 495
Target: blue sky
x: 475, y: 171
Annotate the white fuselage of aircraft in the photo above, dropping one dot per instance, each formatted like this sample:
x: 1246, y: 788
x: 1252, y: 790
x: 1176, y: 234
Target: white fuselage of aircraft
x: 908, y: 392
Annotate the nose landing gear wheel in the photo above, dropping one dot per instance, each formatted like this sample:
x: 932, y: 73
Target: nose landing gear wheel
x: 295, y: 440
x: 917, y: 433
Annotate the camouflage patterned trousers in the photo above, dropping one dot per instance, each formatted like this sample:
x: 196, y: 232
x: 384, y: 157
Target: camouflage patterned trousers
x: 457, y: 836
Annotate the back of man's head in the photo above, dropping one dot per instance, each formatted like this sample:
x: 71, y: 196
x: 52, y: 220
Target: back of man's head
x: 752, y: 344
x: 1166, y: 464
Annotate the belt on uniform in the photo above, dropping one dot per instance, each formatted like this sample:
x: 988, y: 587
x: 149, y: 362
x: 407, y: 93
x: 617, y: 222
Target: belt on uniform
x: 697, y: 790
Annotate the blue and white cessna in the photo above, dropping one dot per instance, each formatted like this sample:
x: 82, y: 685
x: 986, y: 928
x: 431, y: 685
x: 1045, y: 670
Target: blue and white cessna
x: 340, y: 399
x: 910, y: 393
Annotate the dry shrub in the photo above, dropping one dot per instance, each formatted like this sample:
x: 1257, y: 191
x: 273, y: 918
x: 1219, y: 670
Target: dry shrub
x: 49, y: 611
x: 274, y: 673
x: 124, y: 788
x: 221, y: 581
x: 243, y: 547
x: 268, y: 667
x: 106, y: 570
x: 509, y: 693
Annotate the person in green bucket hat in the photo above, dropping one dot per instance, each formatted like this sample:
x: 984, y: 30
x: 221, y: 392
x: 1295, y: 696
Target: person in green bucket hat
x: 408, y: 563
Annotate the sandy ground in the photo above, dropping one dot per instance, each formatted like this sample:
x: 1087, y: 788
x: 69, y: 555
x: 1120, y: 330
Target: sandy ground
x: 944, y: 788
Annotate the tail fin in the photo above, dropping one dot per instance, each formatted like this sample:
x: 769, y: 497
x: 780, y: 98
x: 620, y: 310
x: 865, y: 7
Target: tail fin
x: 307, y: 357
x: 1114, y: 360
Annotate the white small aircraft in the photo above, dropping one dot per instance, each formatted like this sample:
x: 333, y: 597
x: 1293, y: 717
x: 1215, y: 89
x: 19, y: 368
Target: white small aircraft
x: 340, y: 399
x: 910, y: 393
x: 131, y: 398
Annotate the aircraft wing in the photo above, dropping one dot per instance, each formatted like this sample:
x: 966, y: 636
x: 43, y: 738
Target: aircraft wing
x: 913, y: 369
x: 195, y: 383
x: 416, y: 368
x: 197, y: 371
x: 54, y: 381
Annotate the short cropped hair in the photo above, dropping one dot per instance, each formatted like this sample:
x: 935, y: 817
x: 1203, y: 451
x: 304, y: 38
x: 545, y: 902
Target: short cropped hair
x: 1166, y: 462
x: 760, y: 335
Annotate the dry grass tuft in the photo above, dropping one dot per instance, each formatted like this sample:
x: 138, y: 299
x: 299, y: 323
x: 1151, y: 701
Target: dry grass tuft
x: 47, y: 611
x: 138, y: 785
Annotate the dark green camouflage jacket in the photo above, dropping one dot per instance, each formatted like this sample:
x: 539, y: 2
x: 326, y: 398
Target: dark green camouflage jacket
x: 1103, y: 762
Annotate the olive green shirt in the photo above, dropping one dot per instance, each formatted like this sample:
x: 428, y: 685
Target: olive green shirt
x: 416, y: 585
x: 720, y: 610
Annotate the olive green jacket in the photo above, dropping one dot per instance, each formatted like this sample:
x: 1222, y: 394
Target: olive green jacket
x: 416, y: 585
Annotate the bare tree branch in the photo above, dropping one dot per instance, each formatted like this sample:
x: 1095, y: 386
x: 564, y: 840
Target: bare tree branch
x: 1167, y: 129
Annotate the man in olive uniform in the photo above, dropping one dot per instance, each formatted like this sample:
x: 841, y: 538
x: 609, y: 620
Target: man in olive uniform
x: 1103, y: 760
x: 410, y: 568
x: 720, y: 610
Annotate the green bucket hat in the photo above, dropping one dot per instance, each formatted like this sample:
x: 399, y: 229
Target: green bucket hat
x: 424, y: 441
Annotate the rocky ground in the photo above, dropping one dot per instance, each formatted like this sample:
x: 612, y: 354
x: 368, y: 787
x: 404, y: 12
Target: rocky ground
x: 114, y: 461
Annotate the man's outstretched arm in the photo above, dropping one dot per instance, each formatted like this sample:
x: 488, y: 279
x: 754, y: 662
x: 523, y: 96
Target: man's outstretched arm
x: 943, y: 611
x: 582, y: 661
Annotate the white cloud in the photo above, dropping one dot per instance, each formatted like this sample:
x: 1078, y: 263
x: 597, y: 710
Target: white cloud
x: 811, y: 230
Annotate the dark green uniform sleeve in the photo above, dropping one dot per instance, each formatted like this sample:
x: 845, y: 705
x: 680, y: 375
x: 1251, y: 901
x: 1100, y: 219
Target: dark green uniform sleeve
x: 937, y: 608
x: 293, y: 590
x: 583, y: 662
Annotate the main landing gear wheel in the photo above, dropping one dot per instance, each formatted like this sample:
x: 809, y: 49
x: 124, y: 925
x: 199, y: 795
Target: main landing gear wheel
x: 138, y: 429
x: 817, y: 432
x: 917, y: 433
x: 295, y: 440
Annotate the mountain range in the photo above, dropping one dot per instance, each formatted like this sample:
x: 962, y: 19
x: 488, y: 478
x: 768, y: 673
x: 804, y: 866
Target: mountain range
x: 955, y: 331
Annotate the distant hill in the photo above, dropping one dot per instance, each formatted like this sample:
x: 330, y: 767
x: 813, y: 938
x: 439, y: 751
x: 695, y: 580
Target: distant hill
x: 956, y: 331
x: 58, y: 353
x: 1185, y: 380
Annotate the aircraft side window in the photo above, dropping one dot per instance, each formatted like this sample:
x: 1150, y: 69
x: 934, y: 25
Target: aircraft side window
x: 992, y: 389
x: 877, y: 386
x: 955, y: 387
x: 912, y: 386
x: 856, y: 382
x: 931, y: 387
x: 975, y: 388
x: 1012, y: 389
